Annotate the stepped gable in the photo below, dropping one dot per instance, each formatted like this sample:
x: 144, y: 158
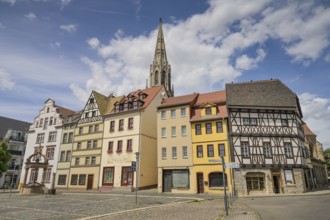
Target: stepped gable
x: 213, y: 98
x: 178, y: 100
x: 266, y: 93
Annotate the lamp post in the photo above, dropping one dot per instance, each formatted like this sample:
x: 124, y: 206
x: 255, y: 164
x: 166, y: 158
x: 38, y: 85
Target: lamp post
x: 137, y: 154
x: 222, y: 154
x: 12, y: 177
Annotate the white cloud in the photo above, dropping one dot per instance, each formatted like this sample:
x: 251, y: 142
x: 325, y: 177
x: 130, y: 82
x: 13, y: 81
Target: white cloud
x: 316, y: 111
x: 70, y: 28
x: 6, y: 83
x: 93, y: 42
x: 31, y: 16
x: 327, y: 57
x: 245, y: 63
x: 11, y: 2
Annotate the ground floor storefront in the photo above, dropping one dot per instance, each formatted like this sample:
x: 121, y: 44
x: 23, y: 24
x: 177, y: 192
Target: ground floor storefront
x: 269, y: 181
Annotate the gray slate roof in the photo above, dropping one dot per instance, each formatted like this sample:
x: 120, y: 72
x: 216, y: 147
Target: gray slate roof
x: 8, y: 123
x: 270, y: 94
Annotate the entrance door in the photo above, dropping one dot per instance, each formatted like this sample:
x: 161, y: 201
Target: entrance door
x: 276, y: 184
x: 167, y: 181
x: 126, y: 176
x: 90, y: 182
x: 200, y: 183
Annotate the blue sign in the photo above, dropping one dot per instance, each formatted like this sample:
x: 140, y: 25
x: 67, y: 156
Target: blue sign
x: 133, y: 166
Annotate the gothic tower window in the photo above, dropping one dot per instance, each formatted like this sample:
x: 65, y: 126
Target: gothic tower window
x: 156, y: 78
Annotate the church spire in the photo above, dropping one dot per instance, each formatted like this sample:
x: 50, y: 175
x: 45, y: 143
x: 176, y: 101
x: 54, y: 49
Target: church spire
x: 160, y: 70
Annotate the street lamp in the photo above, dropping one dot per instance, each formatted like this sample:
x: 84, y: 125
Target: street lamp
x: 137, y: 154
x: 222, y: 154
x: 12, y: 177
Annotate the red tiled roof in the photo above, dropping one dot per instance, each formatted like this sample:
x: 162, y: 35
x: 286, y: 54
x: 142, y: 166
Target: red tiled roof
x: 212, y: 97
x: 179, y: 100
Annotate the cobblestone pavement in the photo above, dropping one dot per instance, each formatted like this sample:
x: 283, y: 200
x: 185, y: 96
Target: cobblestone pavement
x: 108, y: 206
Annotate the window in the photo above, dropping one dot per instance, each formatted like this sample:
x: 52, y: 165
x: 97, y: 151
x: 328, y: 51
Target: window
x: 174, y: 153
x: 219, y: 127
x: 86, y: 114
x: 90, y: 129
x: 93, y: 113
x: 183, y: 112
x: 46, y: 123
x: 163, y: 132
x: 41, y: 122
x: 65, y: 138
x: 288, y: 149
x: 96, y: 128
x: 95, y: 144
x: 210, y: 150
x: 68, y: 155
x: 173, y: 131
x: 121, y: 125
x: 74, y: 179
x: 130, y: 123
x: 173, y: 113
x: 119, y: 146
x: 52, y: 136
x: 87, y: 160
x: 180, y: 179
x: 208, y: 111
x: 89, y: 144
x: 246, y: 121
x: 112, y: 126
x: 208, y: 127
x: 40, y: 138
x: 255, y: 181
x: 91, y: 101
x: 77, y: 161
x: 93, y: 160
x: 184, y: 152
x: 199, y: 151
x: 288, y: 177
x: 108, y: 176
x: 51, y: 121
x: 198, y: 129
x: 110, y: 147
x: 253, y: 121
x: 164, y: 153
x: 129, y: 145
x: 50, y: 152
x: 285, y: 122
x: 81, y: 130
x: 183, y: 130
x: 163, y: 115
x: 62, y: 156
x: 82, y: 179
x: 61, y: 180
x: 48, y: 175
x: 47, y: 110
x: 70, y: 140
x: 216, y: 179
x: 245, y: 149
x: 78, y: 145
x: 266, y: 150
x: 221, y: 150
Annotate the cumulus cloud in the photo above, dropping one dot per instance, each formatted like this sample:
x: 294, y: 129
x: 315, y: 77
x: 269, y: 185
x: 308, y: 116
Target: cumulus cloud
x: 70, y: 28
x: 11, y: 2
x: 6, y: 83
x: 245, y: 63
x: 93, y: 42
x: 316, y: 111
x: 31, y: 16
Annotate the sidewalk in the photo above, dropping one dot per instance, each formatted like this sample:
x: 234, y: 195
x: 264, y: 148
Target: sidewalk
x: 240, y: 210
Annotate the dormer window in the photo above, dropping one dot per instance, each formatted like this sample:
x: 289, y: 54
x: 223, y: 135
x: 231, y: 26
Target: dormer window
x: 135, y: 104
x: 125, y: 106
x: 117, y: 107
x: 130, y: 105
x: 142, y: 96
x: 121, y: 107
x: 208, y: 111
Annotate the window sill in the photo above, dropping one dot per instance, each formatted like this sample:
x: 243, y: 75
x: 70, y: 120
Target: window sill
x: 217, y: 188
x: 290, y: 184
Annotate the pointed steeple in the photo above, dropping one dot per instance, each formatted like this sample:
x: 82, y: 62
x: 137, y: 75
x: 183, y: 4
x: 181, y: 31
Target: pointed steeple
x: 160, y: 70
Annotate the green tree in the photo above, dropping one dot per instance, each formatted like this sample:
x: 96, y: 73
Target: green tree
x: 327, y: 158
x: 4, y: 157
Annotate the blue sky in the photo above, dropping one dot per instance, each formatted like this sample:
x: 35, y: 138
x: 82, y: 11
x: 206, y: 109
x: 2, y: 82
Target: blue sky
x: 64, y: 49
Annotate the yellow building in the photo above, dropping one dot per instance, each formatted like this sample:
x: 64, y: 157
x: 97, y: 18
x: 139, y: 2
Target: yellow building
x: 88, y: 138
x: 209, y: 134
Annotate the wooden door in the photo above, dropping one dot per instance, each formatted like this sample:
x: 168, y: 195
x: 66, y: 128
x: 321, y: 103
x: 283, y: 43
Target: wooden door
x: 90, y: 182
x: 167, y: 181
x: 200, y: 183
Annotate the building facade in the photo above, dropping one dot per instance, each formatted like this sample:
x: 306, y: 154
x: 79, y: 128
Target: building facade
x: 130, y: 130
x: 209, y: 138
x: 174, y: 145
x: 45, y: 136
x: 267, y: 138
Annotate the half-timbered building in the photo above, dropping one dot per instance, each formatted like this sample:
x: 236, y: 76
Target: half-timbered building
x: 267, y: 138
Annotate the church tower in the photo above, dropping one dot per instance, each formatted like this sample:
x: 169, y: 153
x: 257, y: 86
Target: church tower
x: 160, y: 70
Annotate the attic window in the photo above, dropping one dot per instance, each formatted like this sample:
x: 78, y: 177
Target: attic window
x: 142, y: 96
x: 208, y: 111
x: 91, y: 100
x: 117, y: 107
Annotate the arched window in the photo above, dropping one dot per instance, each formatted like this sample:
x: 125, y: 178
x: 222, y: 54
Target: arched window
x: 216, y: 179
x: 156, y: 78
x: 163, y: 78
